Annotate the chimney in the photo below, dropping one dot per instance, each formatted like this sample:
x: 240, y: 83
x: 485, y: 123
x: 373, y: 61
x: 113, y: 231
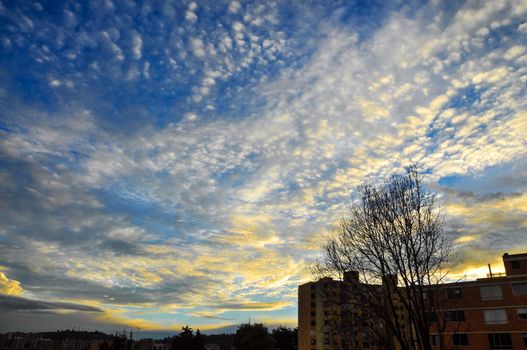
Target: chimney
x: 390, y: 280
x: 351, y: 276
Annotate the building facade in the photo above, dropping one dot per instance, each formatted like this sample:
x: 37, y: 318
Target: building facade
x: 317, y: 315
x: 488, y: 313
x: 491, y: 312
x: 330, y: 315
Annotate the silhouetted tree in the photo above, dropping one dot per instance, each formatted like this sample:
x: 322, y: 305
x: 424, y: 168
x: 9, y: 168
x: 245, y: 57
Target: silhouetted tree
x: 187, y: 341
x: 285, y: 338
x: 199, y: 342
x: 120, y: 341
x: 252, y: 336
x: 393, y: 236
x: 104, y: 346
x: 223, y: 340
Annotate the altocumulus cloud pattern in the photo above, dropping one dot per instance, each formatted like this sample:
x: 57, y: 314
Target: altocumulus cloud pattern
x: 171, y: 162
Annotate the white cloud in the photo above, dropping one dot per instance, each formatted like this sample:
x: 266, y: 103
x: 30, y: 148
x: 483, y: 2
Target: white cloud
x: 234, y: 7
x: 109, y: 5
x: 137, y: 43
x: 191, y: 16
x: 237, y: 26
x: 111, y: 45
x: 226, y: 43
x: 146, y: 70
x: 191, y: 117
x: 198, y: 49
x: 514, y: 52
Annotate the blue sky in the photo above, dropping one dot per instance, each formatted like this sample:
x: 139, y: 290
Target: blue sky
x: 174, y: 162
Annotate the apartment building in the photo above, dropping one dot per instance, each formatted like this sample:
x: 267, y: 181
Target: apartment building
x: 316, y: 310
x: 328, y: 319
x: 488, y: 313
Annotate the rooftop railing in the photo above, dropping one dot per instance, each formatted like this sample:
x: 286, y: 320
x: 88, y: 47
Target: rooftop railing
x: 496, y: 274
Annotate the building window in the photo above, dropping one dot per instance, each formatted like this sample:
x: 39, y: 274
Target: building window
x: 491, y: 293
x: 454, y: 293
x: 313, y: 304
x: 515, y: 264
x: 431, y: 317
x: 522, y: 314
x: 313, y: 314
x: 428, y: 295
x: 313, y: 342
x: 313, y: 323
x: 500, y: 341
x: 495, y: 316
x: 460, y: 339
x: 525, y: 339
x: 456, y: 315
x: 434, y: 340
x: 519, y: 288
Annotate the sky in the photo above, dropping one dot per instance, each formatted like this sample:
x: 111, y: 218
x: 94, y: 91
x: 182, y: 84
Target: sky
x: 167, y: 163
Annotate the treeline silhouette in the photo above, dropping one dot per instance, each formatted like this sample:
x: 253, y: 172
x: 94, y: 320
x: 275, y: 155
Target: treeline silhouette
x: 253, y: 336
x: 70, y: 334
x: 248, y: 336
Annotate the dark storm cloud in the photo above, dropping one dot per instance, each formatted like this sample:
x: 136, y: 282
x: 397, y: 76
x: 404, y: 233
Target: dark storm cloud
x: 251, y: 305
x: 50, y: 320
x: 58, y: 284
x: 476, y: 197
x: 211, y: 316
x: 120, y: 247
x: 10, y: 303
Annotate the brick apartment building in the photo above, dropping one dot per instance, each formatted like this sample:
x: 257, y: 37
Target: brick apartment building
x: 488, y: 313
x: 314, y: 313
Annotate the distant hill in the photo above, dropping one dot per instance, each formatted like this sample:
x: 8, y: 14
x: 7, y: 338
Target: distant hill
x: 230, y: 329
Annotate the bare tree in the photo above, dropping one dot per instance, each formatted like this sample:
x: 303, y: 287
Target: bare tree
x: 392, y: 255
